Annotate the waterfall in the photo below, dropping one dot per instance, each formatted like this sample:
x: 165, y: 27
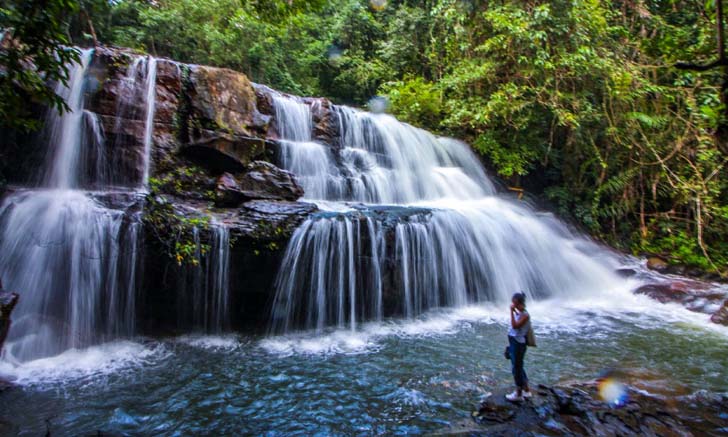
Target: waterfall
x: 376, y: 151
x: 293, y: 118
x: 73, y: 262
x: 72, y: 254
x: 65, y: 130
x: 139, y: 85
x: 203, y: 285
x: 414, y: 223
x: 150, y: 99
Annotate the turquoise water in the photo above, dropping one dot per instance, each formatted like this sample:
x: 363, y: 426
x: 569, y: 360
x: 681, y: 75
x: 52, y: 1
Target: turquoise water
x: 390, y: 378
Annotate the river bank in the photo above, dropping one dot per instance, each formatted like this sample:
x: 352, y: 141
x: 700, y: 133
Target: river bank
x: 578, y: 409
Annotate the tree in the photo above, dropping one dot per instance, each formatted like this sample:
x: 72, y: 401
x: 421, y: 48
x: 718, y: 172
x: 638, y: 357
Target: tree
x: 34, y: 54
x: 722, y: 63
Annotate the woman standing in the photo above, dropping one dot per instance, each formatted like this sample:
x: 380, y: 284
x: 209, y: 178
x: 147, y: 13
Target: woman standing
x: 520, y: 324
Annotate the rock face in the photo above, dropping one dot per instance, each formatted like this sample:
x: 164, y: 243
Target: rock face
x: 259, y: 231
x: 656, y: 263
x: 119, y: 101
x: 577, y: 410
x: 698, y: 296
x: 721, y: 316
x: 222, y: 152
x: 8, y: 301
x: 262, y: 180
x: 211, y: 139
x: 223, y: 100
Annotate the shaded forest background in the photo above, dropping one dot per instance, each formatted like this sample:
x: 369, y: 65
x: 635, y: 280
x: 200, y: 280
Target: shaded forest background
x: 578, y: 102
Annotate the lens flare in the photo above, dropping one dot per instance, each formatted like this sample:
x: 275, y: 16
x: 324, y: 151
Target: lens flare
x: 613, y: 392
x: 378, y: 104
x: 378, y: 5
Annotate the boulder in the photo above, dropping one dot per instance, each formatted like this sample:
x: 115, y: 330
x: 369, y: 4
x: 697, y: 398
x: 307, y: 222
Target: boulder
x: 695, y: 295
x: 8, y: 301
x: 721, y: 316
x: 222, y: 152
x: 656, y: 263
x: 227, y: 191
x: 262, y: 180
x: 577, y: 409
x: 223, y: 100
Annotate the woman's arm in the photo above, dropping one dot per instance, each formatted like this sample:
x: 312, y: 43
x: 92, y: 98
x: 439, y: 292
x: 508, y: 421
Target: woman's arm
x: 522, y: 321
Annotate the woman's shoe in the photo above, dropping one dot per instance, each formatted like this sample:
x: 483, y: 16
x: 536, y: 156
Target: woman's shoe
x: 514, y: 397
x: 527, y: 394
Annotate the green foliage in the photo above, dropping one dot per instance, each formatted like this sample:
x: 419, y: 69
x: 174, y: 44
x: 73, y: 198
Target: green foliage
x: 174, y: 231
x: 575, y: 100
x: 414, y: 100
x: 34, y: 54
x: 184, y: 181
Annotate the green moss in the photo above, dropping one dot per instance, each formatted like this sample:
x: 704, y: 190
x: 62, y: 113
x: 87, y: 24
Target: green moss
x: 174, y: 232
x: 184, y: 181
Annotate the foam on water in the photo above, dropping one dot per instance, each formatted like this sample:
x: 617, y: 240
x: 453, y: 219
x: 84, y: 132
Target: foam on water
x: 212, y: 342
x: 412, y: 223
x: 592, y: 316
x: 92, y: 363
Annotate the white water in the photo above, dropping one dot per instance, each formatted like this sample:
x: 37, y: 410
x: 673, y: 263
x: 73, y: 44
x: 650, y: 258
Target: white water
x: 204, y: 285
x: 451, y: 241
x: 382, y: 161
x: 138, y: 85
x: 65, y: 130
x: 150, y: 99
x: 72, y: 258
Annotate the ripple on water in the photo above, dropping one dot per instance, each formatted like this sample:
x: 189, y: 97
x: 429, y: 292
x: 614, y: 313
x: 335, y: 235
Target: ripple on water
x: 393, y: 377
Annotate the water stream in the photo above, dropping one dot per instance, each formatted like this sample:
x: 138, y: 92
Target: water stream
x: 389, y: 310
x: 72, y: 245
x: 388, y: 378
x: 413, y: 223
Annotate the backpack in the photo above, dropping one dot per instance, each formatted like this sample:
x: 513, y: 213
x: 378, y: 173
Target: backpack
x: 530, y: 338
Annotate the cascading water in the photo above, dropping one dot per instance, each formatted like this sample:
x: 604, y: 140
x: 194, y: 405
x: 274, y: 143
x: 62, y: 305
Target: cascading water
x: 447, y: 238
x: 139, y: 85
x: 204, y: 287
x: 150, y: 81
x: 72, y: 253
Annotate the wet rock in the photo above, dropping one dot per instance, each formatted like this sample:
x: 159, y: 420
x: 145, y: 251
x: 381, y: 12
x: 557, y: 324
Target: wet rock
x: 721, y: 316
x: 266, y: 181
x: 221, y: 152
x: 324, y: 121
x: 656, y: 263
x: 110, y: 87
x: 698, y: 296
x: 578, y: 410
x: 8, y: 300
x: 262, y: 180
x: 626, y: 272
x: 223, y: 100
x: 125, y: 147
x: 265, y: 220
x: 167, y: 91
x: 227, y: 191
x: 108, y: 70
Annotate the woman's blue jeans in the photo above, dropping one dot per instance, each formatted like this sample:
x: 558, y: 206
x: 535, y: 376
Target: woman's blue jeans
x: 518, y: 352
